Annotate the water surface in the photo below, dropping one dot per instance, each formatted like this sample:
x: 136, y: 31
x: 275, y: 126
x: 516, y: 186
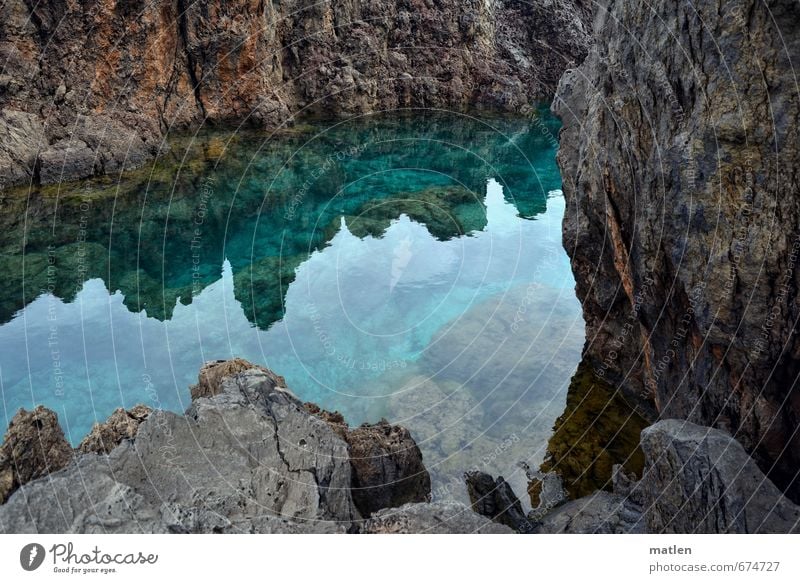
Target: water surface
x: 402, y: 267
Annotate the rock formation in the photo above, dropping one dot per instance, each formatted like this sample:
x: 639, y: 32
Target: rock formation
x: 679, y: 155
x: 496, y: 500
x: 33, y: 447
x: 92, y: 87
x: 246, y: 457
x: 121, y: 425
x: 696, y: 480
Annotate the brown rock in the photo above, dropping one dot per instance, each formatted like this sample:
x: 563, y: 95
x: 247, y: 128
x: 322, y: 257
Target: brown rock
x: 137, y: 70
x: 386, y: 462
x: 120, y: 425
x: 681, y: 177
x: 34, y: 446
x: 387, y: 468
x: 212, y: 373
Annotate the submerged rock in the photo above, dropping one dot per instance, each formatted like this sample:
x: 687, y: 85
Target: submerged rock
x: 119, y: 426
x: 34, y: 446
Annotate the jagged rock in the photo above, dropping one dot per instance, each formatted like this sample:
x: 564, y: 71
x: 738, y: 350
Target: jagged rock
x: 386, y: 462
x: 106, y: 107
x: 34, y: 446
x: 387, y: 468
x: 431, y: 518
x: 680, y: 158
x: 246, y: 457
x: 496, y: 500
x: 209, y: 381
x: 120, y: 425
x: 598, y: 513
x: 700, y: 480
x: 696, y: 480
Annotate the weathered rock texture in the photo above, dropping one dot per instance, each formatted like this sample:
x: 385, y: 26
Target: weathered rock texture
x: 91, y: 87
x: 496, y: 500
x: 433, y: 518
x: 386, y: 462
x: 696, y: 480
x: 33, y: 447
x: 246, y: 457
x: 119, y: 426
x: 679, y: 154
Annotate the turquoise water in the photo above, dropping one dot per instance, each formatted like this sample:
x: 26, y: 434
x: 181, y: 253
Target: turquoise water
x: 401, y: 267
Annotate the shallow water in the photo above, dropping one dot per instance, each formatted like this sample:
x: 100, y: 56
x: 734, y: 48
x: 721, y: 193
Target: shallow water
x: 407, y: 268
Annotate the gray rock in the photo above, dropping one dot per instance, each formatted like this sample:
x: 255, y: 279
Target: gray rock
x: 700, y: 480
x: 246, y: 457
x: 696, y: 480
x: 598, y: 513
x: 431, y: 518
x: 680, y: 158
x: 496, y: 500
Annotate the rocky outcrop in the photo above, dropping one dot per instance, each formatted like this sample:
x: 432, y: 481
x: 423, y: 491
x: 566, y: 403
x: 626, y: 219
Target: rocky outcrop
x: 696, y: 480
x: 387, y: 468
x: 92, y: 87
x: 34, y: 446
x: 386, y: 462
x: 496, y: 500
x: 699, y: 480
x: 679, y: 155
x: 121, y: 425
x: 247, y: 456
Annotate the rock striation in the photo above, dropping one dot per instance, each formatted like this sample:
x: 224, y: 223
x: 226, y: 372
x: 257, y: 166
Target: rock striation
x: 680, y: 157
x: 93, y: 87
x: 247, y: 456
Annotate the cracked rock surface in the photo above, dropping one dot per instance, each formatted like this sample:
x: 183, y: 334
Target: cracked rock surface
x: 247, y: 456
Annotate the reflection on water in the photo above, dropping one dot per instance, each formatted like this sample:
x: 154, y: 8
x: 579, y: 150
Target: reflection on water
x: 407, y: 268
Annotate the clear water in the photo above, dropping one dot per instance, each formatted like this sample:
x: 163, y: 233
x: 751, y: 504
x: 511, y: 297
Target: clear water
x: 407, y: 268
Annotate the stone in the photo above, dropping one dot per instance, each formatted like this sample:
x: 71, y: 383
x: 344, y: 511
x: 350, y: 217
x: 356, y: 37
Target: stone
x: 681, y: 228
x: 33, y: 447
x: 246, y: 457
x: 598, y: 513
x: 119, y: 426
x: 431, y: 518
x: 386, y: 462
x: 188, y: 63
x: 701, y: 480
x: 496, y: 500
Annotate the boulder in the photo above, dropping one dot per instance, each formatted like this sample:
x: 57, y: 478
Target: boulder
x: 34, y: 446
x: 120, y: 425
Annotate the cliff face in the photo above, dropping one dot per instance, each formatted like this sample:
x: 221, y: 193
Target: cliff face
x: 681, y: 166
x: 91, y: 87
